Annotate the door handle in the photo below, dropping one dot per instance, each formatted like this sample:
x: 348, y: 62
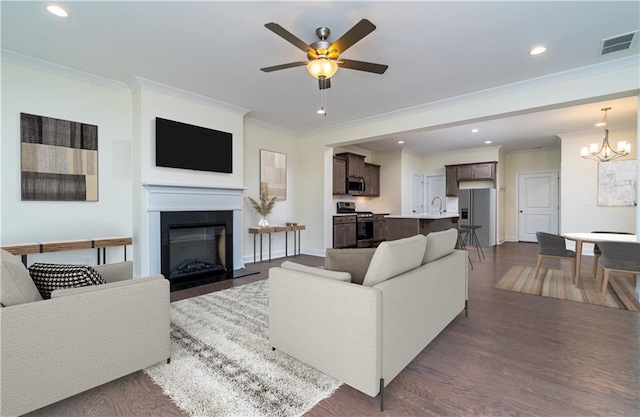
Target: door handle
x: 520, y: 211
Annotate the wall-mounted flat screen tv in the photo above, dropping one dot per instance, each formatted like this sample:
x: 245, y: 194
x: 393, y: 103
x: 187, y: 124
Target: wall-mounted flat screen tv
x: 180, y: 145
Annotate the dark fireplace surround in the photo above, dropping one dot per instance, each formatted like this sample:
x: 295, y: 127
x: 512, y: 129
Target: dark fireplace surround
x: 196, y: 247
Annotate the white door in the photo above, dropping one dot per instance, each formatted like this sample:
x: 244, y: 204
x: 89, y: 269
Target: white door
x: 538, y: 208
x: 418, y: 194
x: 435, y: 188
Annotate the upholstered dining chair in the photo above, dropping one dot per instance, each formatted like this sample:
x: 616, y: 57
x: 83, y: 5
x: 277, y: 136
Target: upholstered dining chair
x: 596, y: 252
x: 618, y: 257
x: 554, y: 246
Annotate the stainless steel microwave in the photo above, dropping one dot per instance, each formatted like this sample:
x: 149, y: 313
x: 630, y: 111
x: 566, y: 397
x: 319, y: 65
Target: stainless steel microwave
x: 355, y: 186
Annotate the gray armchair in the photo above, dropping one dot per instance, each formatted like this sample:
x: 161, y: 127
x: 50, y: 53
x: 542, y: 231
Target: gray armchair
x: 554, y: 246
x: 80, y: 338
x: 618, y: 257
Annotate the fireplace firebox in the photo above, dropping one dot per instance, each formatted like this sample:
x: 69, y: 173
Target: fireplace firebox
x: 196, y: 247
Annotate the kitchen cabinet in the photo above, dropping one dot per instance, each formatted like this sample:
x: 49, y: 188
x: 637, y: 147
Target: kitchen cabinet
x: 452, y: 181
x: 480, y: 171
x: 371, y: 180
x: 339, y: 176
x: 379, y: 227
x: 355, y: 164
x: 344, y: 231
x: 485, y: 171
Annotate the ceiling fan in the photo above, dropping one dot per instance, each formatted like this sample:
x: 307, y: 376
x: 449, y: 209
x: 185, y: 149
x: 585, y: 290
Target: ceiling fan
x: 323, y: 56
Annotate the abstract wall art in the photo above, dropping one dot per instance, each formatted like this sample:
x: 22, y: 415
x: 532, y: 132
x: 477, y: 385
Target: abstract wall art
x: 617, y: 183
x: 273, y: 174
x: 59, y: 159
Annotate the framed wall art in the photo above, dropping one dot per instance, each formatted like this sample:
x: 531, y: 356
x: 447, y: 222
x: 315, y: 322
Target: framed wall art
x: 617, y: 183
x: 273, y: 174
x: 59, y: 159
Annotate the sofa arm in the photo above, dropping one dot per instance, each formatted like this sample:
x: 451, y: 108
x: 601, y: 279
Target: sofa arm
x: 119, y: 271
x: 341, y: 276
x: 354, y: 261
x: 331, y: 325
x: 64, y: 292
x: 53, y: 349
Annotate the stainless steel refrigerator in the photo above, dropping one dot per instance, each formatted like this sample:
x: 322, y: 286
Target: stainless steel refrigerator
x: 478, y: 207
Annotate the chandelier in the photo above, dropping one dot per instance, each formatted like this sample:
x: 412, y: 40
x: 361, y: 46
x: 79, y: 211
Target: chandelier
x: 605, y: 152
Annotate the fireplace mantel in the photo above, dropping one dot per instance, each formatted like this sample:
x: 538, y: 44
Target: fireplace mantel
x: 184, y: 197
x: 162, y: 197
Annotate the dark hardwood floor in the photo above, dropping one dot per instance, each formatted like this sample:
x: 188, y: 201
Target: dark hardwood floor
x: 515, y: 354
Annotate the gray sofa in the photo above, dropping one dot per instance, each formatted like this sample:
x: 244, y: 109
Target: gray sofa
x: 364, y: 323
x: 80, y: 338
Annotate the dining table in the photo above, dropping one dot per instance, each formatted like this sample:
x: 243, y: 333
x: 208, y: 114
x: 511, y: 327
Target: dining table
x: 582, y: 237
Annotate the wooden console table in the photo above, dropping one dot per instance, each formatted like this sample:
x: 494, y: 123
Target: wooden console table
x: 24, y: 249
x: 276, y: 229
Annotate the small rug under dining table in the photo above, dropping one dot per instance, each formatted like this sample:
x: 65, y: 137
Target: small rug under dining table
x: 559, y: 284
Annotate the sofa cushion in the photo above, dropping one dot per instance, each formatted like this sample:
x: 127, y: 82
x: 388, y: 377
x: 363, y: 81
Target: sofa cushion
x: 394, y: 258
x: 354, y: 261
x: 50, y: 277
x: 440, y: 244
x: 340, y: 276
x: 16, y: 285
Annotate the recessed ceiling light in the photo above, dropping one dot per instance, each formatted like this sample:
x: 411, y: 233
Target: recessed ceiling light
x: 538, y: 50
x: 487, y: 142
x: 601, y: 124
x: 474, y: 131
x: 400, y: 142
x: 57, y: 10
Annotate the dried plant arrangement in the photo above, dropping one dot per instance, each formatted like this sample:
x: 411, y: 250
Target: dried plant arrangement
x: 264, y: 207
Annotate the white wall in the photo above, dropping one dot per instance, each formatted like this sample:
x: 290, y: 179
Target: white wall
x: 256, y: 138
x: 30, y: 91
x: 579, y: 184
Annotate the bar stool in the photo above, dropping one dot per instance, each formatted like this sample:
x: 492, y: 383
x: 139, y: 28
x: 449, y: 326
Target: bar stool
x: 473, y: 238
x: 461, y: 238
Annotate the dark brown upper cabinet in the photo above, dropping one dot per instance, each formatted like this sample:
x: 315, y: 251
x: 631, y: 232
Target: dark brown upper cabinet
x: 339, y: 176
x: 371, y: 180
x: 479, y: 171
x: 355, y: 164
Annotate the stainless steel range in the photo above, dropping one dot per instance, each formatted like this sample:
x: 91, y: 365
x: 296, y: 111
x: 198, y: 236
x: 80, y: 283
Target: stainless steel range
x: 364, y: 223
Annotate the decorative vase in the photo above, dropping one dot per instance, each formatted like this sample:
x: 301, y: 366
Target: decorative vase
x: 263, y: 222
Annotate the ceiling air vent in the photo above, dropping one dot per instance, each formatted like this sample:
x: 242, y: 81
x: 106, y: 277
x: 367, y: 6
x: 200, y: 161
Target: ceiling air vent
x: 617, y: 43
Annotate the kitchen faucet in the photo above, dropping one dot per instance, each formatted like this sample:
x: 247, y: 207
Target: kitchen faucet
x: 434, y: 200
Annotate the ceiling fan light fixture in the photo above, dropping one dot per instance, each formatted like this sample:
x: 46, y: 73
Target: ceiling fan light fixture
x: 322, y: 67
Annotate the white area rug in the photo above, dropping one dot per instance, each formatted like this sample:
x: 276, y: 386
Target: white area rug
x: 222, y: 364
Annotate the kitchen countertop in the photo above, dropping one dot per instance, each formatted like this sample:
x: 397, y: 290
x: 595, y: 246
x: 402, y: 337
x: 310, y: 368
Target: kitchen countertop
x: 344, y: 214
x: 423, y: 216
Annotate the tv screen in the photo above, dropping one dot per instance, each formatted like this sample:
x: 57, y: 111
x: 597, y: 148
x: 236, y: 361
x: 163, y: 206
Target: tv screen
x: 180, y: 145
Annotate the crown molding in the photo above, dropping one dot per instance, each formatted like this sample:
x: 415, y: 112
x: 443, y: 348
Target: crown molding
x: 139, y: 82
x: 269, y: 126
x: 545, y: 80
x: 45, y: 66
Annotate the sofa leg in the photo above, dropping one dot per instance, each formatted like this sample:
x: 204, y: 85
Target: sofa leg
x: 466, y: 308
x: 168, y: 361
x: 381, y: 394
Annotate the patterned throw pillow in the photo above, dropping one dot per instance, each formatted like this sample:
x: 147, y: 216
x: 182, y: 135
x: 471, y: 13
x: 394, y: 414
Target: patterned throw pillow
x: 50, y: 277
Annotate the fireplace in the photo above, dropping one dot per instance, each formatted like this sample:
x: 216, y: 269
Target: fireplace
x: 196, y: 247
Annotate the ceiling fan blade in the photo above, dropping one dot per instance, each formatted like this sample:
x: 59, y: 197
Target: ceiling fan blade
x: 353, y: 35
x: 324, y: 83
x: 284, y: 66
x: 289, y: 37
x: 362, y: 66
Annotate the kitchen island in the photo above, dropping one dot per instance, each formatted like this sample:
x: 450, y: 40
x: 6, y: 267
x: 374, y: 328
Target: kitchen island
x: 401, y: 226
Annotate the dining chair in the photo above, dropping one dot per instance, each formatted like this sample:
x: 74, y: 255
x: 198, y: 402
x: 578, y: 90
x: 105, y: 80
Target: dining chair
x: 554, y: 246
x: 596, y: 251
x: 618, y: 257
